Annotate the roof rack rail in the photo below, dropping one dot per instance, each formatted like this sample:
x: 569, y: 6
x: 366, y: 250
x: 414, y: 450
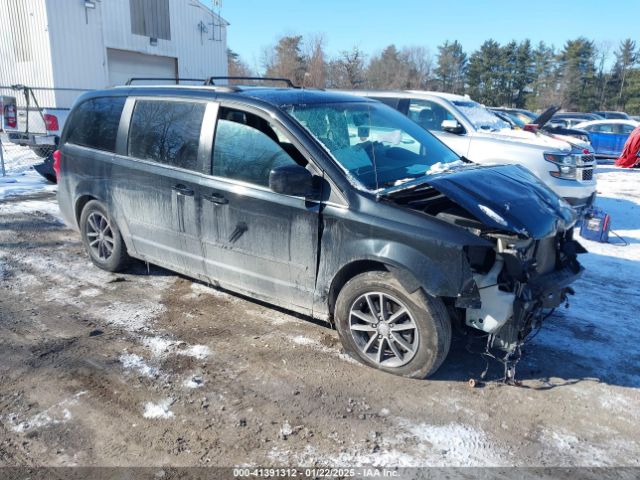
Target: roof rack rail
x: 172, y: 79
x: 211, y: 80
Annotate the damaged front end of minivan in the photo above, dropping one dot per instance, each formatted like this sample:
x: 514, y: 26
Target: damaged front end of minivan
x: 533, y: 258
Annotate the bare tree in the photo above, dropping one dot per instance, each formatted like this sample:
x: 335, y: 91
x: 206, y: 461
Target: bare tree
x: 626, y: 58
x: 421, y: 64
x: 348, y: 70
x: 316, y: 62
x: 603, y: 51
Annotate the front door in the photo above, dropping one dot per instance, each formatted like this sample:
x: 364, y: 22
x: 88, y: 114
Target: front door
x: 255, y: 240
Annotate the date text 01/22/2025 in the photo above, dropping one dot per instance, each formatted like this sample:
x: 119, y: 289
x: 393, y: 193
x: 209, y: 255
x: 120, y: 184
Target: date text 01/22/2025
x: 364, y: 472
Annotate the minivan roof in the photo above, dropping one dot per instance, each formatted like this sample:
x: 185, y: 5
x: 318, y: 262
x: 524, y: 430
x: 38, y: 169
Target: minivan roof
x: 278, y: 97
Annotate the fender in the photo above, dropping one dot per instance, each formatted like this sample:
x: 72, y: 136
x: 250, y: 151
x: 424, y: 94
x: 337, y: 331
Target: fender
x: 441, y: 271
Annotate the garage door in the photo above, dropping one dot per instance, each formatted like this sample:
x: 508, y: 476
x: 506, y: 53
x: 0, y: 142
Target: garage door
x: 124, y: 65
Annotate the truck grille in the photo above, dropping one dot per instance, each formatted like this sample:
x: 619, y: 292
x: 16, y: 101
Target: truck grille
x: 589, y: 162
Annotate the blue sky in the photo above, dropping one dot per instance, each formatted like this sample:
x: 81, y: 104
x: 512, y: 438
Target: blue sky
x: 374, y: 24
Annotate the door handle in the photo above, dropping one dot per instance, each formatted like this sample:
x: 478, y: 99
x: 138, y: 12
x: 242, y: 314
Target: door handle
x: 183, y: 190
x: 216, y: 198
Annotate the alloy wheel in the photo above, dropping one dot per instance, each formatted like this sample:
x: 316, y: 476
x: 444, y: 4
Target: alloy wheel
x: 383, y: 329
x: 100, y: 236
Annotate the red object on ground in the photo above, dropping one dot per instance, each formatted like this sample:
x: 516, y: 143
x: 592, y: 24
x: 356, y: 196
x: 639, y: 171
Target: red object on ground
x: 56, y: 163
x: 629, y: 156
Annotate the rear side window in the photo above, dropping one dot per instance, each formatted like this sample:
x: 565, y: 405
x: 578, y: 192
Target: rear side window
x: 94, y: 123
x: 166, y: 132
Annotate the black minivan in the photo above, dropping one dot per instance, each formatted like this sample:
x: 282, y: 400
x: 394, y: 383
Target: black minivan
x: 332, y: 205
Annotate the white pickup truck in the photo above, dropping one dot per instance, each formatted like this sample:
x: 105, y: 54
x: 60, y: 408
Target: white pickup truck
x: 45, y: 127
x: 564, y: 164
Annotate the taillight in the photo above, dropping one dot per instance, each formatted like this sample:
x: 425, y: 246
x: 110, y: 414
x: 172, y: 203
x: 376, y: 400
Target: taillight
x: 10, y: 116
x: 56, y: 163
x: 51, y: 122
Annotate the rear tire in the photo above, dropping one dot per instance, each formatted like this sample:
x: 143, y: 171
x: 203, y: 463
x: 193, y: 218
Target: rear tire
x: 413, y: 329
x: 102, y: 239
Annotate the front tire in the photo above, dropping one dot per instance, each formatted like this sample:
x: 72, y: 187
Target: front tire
x: 102, y: 239
x: 384, y: 326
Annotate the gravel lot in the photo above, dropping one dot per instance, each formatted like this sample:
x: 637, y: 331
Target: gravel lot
x: 150, y: 368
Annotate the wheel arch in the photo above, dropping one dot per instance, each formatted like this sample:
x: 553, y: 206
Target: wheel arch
x: 79, y: 206
x: 356, y: 267
x: 122, y: 225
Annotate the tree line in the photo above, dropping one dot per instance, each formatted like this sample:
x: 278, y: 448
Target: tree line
x: 580, y: 76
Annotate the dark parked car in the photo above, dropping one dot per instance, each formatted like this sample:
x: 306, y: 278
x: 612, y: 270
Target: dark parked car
x: 331, y: 205
x: 612, y: 115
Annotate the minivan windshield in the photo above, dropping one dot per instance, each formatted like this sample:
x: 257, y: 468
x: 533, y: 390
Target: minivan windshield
x: 481, y: 117
x: 376, y: 144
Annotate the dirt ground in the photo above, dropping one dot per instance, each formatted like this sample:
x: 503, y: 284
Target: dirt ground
x: 150, y: 368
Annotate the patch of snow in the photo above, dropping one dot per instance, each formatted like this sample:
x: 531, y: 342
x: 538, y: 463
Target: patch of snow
x: 603, y: 311
x: 309, y: 342
x: 132, y: 317
x: 196, y: 351
x: 17, y: 159
x: 161, y: 347
x: 300, y: 340
x: 195, y: 381
x: 54, y: 415
x: 50, y: 207
x: 415, y: 445
x: 158, y: 410
x: 131, y: 361
x: 90, y: 292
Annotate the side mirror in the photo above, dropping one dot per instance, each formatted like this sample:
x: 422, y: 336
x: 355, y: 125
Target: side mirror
x: 452, y: 126
x: 293, y: 180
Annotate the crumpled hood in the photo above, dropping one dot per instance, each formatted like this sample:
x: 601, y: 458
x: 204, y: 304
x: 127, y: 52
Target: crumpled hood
x: 504, y: 197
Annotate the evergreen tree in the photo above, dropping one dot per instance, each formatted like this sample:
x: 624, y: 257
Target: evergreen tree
x: 451, y: 67
x: 577, y: 75
x: 286, y: 60
x: 236, y: 67
x: 388, y: 70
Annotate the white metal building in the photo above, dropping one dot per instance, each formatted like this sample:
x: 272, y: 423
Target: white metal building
x: 100, y: 43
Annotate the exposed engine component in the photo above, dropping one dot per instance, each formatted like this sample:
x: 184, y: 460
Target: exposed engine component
x: 497, y: 305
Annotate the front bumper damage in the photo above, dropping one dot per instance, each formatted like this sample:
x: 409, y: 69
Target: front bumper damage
x: 525, y: 279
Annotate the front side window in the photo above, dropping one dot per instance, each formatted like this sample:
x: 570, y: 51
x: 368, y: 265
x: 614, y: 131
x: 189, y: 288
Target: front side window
x: 376, y: 144
x: 428, y: 114
x: 94, y: 123
x: 247, y: 148
x: 166, y: 132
